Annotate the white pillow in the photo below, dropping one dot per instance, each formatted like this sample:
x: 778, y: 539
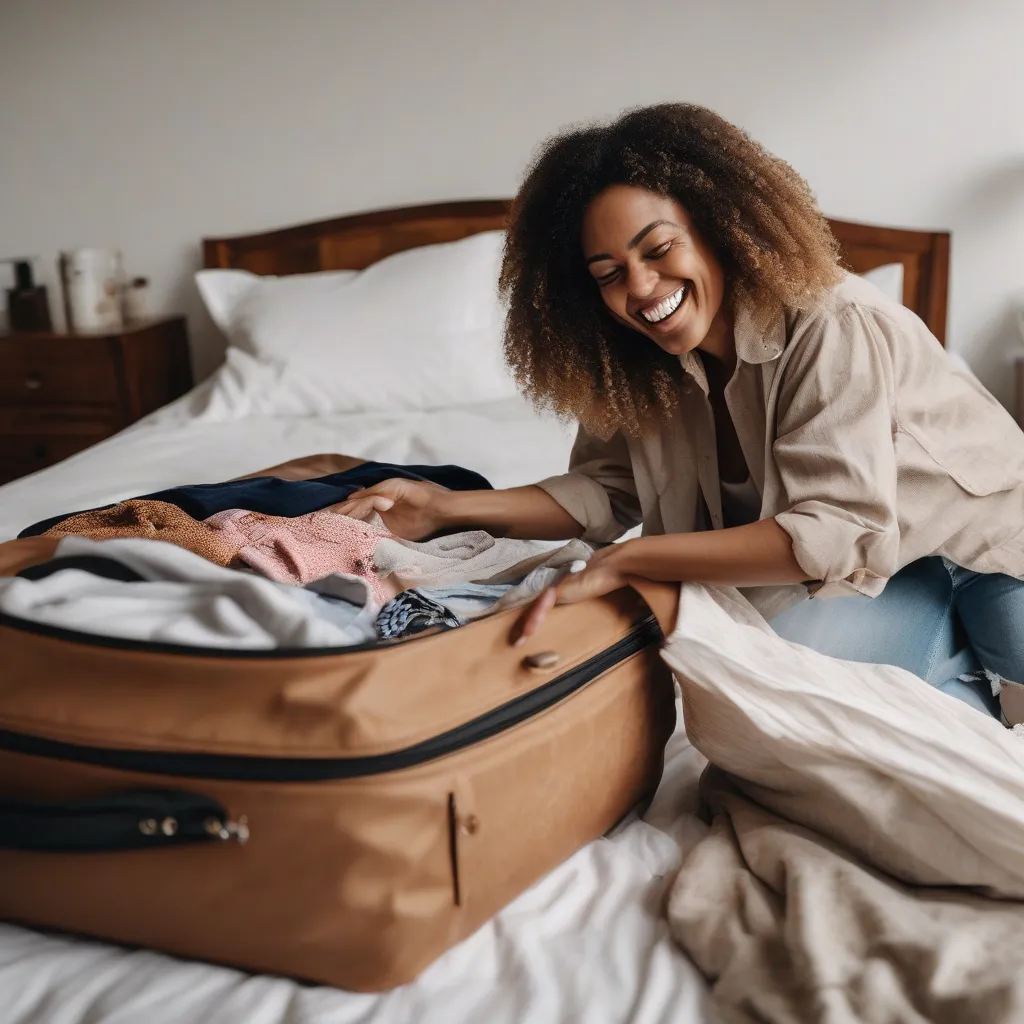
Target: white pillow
x: 418, y: 330
x: 889, y: 279
x: 224, y: 291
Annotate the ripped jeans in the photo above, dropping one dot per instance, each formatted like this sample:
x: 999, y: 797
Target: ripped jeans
x: 961, y: 631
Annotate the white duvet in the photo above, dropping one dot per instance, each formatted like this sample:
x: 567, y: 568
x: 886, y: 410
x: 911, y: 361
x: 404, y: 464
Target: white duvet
x: 588, y: 943
x: 861, y: 808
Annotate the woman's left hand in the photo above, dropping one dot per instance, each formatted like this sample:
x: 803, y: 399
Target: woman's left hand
x: 603, y: 574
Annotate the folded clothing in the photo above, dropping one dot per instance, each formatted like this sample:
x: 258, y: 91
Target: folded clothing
x: 152, y: 520
x: 466, y: 601
x: 472, y: 557
x: 413, y: 612
x: 305, y: 548
x: 277, y: 497
x: 150, y: 590
x: 170, y: 595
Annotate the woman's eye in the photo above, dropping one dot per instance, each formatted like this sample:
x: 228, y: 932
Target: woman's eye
x: 662, y: 250
x: 607, y: 278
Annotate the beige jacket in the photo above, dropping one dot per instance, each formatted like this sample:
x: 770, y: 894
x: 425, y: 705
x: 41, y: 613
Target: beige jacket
x: 865, y: 442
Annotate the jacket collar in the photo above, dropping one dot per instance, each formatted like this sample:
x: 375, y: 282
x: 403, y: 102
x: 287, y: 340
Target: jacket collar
x: 755, y: 343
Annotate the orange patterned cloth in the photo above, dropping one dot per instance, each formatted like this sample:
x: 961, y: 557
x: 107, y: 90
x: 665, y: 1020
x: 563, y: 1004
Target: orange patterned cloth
x: 150, y: 520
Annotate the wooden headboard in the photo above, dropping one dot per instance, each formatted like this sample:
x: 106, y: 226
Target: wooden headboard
x: 352, y: 243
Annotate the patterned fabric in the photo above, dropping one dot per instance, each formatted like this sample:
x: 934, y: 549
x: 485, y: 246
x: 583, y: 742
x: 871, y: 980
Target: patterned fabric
x: 305, y: 548
x: 149, y: 520
x: 413, y: 612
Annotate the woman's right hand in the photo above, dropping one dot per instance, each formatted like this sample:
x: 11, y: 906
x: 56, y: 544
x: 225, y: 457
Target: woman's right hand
x: 410, y: 509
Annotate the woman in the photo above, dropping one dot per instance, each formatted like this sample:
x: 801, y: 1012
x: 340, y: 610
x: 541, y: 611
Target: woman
x: 769, y: 418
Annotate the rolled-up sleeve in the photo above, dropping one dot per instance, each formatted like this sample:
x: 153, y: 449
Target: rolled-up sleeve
x: 835, y: 454
x: 599, y: 491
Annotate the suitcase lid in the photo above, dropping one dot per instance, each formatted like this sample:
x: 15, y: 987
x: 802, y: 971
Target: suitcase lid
x: 114, y: 694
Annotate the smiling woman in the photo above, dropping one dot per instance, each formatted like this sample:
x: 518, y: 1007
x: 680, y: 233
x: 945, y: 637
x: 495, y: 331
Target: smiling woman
x: 671, y: 184
x: 767, y: 417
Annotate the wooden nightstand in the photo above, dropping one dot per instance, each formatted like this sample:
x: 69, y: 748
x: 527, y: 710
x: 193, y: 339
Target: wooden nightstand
x: 60, y: 393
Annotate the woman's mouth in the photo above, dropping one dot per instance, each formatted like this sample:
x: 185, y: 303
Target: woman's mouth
x: 659, y: 313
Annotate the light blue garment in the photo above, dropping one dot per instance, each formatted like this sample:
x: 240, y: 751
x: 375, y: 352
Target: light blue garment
x: 934, y: 619
x: 467, y: 600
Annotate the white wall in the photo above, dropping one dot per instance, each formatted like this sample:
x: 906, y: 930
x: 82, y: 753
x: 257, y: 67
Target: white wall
x: 150, y: 123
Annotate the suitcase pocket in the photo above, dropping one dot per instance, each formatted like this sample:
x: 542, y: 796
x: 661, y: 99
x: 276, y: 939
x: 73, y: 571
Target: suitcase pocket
x: 135, y: 820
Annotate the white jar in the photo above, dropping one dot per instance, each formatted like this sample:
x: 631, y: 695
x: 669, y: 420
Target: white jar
x: 92, y: 280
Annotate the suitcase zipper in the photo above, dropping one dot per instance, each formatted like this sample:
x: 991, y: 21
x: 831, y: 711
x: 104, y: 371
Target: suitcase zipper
x: 243, y: 768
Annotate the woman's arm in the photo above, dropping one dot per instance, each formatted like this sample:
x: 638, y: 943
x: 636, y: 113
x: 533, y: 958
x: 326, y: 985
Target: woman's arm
x: 744, y: 556
x: 756, y: 554
x: 415, y: 509
x: 523, y: 513
x: 596, y: 498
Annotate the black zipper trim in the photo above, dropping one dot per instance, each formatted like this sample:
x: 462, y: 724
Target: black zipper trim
x: 243, y: 768
x: 164, y: 647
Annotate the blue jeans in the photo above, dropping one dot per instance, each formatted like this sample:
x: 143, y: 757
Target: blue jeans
x: 935, y: 619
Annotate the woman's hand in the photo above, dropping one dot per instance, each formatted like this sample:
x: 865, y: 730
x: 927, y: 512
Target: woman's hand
x: 410, y: 509
x: 603, y: 574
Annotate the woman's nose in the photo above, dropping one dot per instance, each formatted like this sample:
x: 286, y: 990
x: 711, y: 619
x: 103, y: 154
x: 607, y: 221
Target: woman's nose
x: 642, y: 280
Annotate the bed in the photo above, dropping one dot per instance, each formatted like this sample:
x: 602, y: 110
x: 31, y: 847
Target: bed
x: 589, y: 941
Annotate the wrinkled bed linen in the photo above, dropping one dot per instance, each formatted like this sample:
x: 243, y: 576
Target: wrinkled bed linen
x: 863, y: 825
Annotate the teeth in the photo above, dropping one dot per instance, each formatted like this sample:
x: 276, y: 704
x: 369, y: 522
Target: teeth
x: 664, y: 308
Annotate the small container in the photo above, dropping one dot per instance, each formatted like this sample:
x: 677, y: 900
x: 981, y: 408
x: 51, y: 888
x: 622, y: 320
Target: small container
x: 28, y: 308
x: 135, y: 301
x: 92, y: 280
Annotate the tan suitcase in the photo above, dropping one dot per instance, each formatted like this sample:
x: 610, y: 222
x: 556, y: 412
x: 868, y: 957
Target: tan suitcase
x: 338, y: 817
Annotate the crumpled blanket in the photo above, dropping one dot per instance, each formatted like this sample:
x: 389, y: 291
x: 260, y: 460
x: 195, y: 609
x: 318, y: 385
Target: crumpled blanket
x: 866, y: 856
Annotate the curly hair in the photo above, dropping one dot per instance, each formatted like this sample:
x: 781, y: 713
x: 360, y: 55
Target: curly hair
x: 568, y: 354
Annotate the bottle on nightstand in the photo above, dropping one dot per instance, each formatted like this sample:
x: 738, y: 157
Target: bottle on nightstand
x: 28, y: 308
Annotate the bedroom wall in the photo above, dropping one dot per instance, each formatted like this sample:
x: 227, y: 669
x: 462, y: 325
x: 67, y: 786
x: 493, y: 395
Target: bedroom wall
x: 149, y: 125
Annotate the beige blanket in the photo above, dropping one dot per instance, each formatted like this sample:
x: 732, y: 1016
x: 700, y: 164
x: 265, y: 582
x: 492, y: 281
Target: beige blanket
x: 866, y: 857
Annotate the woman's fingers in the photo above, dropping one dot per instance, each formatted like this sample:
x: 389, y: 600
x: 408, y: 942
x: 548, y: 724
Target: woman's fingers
x: 535, y: 615
x: 363, y: 508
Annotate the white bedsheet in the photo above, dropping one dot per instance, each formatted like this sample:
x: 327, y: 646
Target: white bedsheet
x: 587, y: 943
x: 505, y: 442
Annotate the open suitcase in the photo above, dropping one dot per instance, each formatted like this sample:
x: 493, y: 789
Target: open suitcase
x: 342, y: 817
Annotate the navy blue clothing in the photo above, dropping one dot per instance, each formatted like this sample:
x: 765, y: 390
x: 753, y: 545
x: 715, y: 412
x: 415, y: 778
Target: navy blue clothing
x: 276, y: 497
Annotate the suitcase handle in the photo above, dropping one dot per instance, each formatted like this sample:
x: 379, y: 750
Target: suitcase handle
x: 135, y: 820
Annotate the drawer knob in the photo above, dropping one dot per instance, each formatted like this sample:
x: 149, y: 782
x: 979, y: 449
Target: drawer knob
x: 542, y: 660
x: 33, y: 383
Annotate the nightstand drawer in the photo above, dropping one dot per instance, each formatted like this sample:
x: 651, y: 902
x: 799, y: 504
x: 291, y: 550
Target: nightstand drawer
x: 99, y: 420
x: 81, y: 370
x: 21, y: 454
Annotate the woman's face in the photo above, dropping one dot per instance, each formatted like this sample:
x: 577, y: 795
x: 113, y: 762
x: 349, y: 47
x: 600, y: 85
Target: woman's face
x: 655, y: 272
